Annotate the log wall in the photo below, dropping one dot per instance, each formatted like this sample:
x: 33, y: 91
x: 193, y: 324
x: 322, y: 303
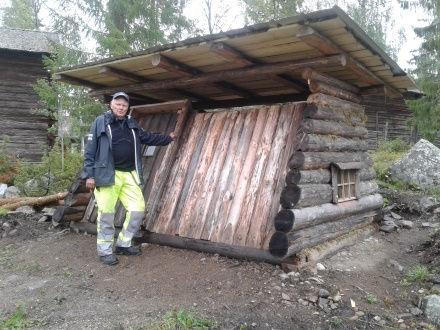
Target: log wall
x: 332, y: 130
x: 25, y: 131
x: 388, y: 119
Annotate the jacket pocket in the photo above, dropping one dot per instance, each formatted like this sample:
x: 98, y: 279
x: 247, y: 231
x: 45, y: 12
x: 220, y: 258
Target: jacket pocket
x: 99, y: 165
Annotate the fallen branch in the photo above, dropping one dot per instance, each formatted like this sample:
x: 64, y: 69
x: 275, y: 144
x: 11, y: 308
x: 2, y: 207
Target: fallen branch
x: 11, y: 200
x: 34, y: 201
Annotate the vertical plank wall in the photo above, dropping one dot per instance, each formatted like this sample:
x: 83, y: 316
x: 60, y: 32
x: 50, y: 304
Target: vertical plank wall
x: 225, y: 183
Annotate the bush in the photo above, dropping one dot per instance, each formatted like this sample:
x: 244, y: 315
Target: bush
x: 386, y: 155
x: 9, y: 164
x: 48, y: 177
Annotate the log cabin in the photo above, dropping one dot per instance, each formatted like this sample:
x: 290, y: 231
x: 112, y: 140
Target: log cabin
x: 21, y: 63
x: 271, y: 158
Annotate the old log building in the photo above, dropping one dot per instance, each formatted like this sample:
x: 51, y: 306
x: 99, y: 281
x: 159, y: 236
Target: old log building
x: 271, y: 157
x: 21, y: 64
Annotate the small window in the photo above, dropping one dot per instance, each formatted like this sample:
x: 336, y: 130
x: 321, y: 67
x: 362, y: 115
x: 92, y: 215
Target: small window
x: 345, y: 181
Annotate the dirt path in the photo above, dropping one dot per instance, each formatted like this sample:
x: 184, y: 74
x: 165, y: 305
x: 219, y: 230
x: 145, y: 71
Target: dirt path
x: 55, y: 275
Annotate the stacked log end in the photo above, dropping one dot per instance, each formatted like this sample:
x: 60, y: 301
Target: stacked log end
x: 75, y: 204
x: 332, y: 131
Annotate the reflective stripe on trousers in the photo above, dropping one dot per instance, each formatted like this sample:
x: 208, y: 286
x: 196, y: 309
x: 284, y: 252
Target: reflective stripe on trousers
x: 127, y: 190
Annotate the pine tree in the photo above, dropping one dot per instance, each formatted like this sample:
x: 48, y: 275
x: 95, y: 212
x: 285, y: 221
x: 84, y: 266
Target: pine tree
x: 257, y: 11
x: 23, y: 14
x: 427, y: 60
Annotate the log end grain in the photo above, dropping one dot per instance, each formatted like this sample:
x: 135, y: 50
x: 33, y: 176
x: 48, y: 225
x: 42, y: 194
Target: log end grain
x: 284, y: 221
x: 278, y: 244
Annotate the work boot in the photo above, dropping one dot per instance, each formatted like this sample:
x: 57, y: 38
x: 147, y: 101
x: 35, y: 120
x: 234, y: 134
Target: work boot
x: 109, y: 259
x: 128, y: 251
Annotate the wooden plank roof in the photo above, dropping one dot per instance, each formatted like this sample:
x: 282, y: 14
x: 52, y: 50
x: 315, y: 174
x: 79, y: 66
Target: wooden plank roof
x: 255, y: 63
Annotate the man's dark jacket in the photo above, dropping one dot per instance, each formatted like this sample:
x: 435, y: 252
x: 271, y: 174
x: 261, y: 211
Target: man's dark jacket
x: 98, y: 157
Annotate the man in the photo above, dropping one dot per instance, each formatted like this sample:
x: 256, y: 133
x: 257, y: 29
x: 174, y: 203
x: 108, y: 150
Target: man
x: 113, y: 167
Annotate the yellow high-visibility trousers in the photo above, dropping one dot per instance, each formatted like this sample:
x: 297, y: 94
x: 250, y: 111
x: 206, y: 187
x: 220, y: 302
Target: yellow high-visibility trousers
x: 128, y: 191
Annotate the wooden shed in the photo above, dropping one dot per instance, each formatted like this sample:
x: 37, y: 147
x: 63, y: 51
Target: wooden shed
x: 21, y: 64
x: 271, y: 157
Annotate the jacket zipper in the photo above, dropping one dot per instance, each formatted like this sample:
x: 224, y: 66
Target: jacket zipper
x: 135, y: 156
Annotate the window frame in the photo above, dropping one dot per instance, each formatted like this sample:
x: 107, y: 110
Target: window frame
x: 351, y: 168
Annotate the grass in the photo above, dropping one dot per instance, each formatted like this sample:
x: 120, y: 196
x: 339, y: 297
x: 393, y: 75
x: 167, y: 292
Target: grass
x: 183, y: 320
x: 371, y: 299
x: 18, y: 320
x: 417, y: 274
x: 386, y: 155
x: 3, y: 212
x: 335, y: 322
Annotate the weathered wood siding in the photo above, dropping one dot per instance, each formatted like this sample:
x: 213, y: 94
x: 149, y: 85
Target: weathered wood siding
x: 25, y: 130
x: 388, y: 119
x: 225, y: 183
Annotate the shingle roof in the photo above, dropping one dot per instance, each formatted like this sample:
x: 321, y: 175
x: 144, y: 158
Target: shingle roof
x: 26, y: 40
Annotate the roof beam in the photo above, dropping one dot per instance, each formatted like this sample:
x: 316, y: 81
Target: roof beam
x: 182, y: 69
x: 327, y: 47
x: 121, y: 74
x: 77, y: 81
x: 211, y: 77
x: 236, y: 56
x: 253, y: 101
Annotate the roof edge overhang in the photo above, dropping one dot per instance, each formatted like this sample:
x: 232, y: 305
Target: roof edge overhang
x: 301, y: 18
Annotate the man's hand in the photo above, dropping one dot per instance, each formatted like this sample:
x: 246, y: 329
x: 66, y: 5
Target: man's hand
x: 90, y: 184
x: 173, y: 135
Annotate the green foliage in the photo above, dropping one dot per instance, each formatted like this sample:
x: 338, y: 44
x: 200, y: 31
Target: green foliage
x: 3, y: 212
x: 49, y: 176
x: 371, y: 298
x: 375, y: 17
x: 427, y: 109
x: 23, y: 14
x: 183, y: 320
x: 9, y: 164
x: 18, y: 320
x: 418, y: 274
x: 386, y: 155
x: 335, y: 322
x: 257, y: 11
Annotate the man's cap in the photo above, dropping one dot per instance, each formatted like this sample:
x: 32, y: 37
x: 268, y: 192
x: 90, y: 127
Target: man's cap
x: 120, y: 94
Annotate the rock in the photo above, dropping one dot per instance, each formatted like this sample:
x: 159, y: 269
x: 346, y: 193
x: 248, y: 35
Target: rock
x: 333, y: 305
x: 436, y: 210
x: 416, y: 311
x: 6, y: 226
x: 3, y: 188
x: 434, y: 279
x: 377, y: 318
x: 435, y: 288
x: 44, y: 218
x: 405, y: 224
x: 25, y: 209
x: 49, y: 211
x: 284, y: 276
x: 285, y: 296
x: 312, y: 298
x: 396, y: 216
x: 320, y: 267
x: 323, y: 293
x: 302, y: 302
x: 389, y: 223
x: 12, y: 191
x: 429, y: 225
x: 336, y: 297
x: 322, y: 303
x: 404, y: 316
x: 431, y: 308
x: 427, y: 203
x: 388, y: 218
x: 360, y: 313
x: 419, y: 166
x: 12, y: 233
x: 387, y: 229
x: 396, y: 265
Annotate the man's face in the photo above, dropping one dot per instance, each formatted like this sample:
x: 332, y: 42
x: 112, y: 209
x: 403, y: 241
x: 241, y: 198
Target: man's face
x: 119, y: 107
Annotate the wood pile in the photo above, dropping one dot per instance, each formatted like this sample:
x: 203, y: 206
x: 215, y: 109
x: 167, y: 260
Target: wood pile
x: 14, y: 203
x: 332, y: 131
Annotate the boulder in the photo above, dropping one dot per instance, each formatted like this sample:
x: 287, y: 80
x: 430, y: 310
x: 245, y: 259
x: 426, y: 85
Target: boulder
x: 431, y: 308
x: 3, y: 188
x: 419, y: 166
x: 12, y: 191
